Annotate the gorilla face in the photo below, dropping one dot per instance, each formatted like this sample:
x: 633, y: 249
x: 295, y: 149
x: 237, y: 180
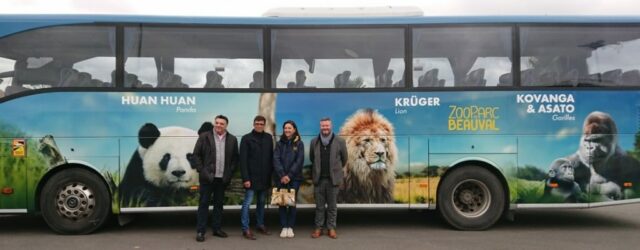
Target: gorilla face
x: 597, y: 148
x: 599, y: 139
x: 562, y: 170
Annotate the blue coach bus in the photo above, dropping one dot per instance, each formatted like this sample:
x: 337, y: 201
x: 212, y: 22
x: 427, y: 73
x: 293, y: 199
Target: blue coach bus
x: 472, y: 116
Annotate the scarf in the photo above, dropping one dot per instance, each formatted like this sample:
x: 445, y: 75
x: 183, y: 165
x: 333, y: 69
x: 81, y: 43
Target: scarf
x: 326, y: 140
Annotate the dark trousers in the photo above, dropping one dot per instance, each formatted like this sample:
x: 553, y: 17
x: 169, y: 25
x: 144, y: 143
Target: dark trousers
x: 326, y: 194
x: 288, y: 214
x: 206, y: 190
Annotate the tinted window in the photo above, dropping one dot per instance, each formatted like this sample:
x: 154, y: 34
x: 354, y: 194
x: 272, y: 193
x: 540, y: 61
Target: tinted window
x: 338, y: 58
x: 580, y: 56
x: 180, y: 57
x: 66, y: 56
x: 462, y: 57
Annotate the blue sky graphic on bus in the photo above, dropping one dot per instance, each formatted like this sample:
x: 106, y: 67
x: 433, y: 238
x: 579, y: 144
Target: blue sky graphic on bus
x: 122, y: 114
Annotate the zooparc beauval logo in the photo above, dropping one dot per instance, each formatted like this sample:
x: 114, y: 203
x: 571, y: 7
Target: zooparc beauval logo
x: 473, y: 118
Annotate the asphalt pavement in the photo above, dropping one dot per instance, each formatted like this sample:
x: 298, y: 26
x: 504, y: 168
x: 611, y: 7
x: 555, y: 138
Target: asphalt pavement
x: 615, y: 227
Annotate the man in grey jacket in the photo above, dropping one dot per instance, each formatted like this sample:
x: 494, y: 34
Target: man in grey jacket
x: 328, y: 154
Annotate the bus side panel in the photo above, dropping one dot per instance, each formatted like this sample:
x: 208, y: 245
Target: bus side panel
x: 155, y: 170
x: 505, y: 163
x: 424, y: 178
x: 577, y: 146
x: 15, y: 159
x: 533, y: 181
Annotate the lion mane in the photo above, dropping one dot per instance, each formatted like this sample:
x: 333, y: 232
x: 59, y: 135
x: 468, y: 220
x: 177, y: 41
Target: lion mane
x: 370, y: 170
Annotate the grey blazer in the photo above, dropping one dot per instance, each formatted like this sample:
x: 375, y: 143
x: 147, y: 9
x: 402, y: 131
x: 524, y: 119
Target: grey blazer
x: 338, y: 155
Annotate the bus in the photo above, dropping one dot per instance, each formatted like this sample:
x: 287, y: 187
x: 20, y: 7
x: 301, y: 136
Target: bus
x: 475, y: 117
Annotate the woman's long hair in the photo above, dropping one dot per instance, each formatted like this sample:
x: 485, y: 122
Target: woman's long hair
x: 295, y: 136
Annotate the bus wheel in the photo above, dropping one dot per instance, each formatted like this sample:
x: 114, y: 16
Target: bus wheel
x: 75, y: 201
x: 471, y: 198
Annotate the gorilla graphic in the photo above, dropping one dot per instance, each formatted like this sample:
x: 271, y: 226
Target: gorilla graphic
x: 600, y: 166
x: 561, y: 181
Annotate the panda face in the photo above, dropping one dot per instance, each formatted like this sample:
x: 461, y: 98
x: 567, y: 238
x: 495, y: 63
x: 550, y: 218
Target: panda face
x: 165, y: 162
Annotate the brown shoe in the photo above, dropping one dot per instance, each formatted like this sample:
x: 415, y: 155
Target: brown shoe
x: 263, y: 230
x: 316, y: 233
x: 248, y: 235
x: 333, y: 234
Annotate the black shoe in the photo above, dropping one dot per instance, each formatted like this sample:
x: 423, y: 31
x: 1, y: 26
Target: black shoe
x: 220, y: 233
x: 263, y: 230
x: 200, y: 237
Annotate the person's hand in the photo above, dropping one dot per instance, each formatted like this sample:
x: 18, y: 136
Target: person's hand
x: 285, y: 180
x: 247, y: 184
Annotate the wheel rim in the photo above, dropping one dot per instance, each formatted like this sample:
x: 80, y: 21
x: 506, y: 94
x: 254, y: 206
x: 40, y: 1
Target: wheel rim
x: 471, y: 198
x: 75, y: 201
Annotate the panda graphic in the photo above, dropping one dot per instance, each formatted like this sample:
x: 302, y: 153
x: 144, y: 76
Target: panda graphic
x: 159, y: 172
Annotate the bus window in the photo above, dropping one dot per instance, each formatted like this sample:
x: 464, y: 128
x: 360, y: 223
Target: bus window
x: 99, y: 68
x: 62, y: 56
x: 185, y: 57
x: 462, y: 57
x: 358, y: 68
x: 432, y: 72
x: 338, y: 58
x: 225, y: 73
x: 580, y: 56
x: 140, y: 72
x: 6, y: 74
x: 494, y: 68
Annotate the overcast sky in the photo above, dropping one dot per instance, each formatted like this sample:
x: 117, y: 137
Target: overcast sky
x: 257, y: 8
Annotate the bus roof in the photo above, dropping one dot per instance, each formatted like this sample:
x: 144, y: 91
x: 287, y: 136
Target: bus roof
x: 22, y: 22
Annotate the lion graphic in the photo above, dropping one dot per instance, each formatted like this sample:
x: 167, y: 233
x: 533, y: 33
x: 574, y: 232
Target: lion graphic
x: 370, y: 171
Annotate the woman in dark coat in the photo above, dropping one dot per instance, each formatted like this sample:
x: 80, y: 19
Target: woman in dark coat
x: 287, y: 162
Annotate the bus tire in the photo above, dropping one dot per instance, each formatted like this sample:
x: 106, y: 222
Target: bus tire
x: 75, y: 201
x: 471, y: 198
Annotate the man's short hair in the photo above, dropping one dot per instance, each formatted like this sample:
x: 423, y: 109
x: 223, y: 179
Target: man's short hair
x: 326, y: 118
x: 259, y: 118
x: 221, y: 117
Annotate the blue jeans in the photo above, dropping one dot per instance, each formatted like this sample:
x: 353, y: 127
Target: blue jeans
x: 244, y: 212
x: 288, y: 214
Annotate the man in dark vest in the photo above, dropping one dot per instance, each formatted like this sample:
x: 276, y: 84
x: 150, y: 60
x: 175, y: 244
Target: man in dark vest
x: 328, y: 154
x: 215, y: 156
x: 256, y: 165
